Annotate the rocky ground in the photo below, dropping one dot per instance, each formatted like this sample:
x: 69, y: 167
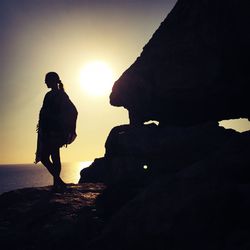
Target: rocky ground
x: 40, y: 218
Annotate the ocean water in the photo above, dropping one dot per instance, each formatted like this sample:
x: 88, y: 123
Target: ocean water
x: 15, y: 176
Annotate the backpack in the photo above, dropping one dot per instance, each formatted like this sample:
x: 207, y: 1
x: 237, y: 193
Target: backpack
x: 68, y: 119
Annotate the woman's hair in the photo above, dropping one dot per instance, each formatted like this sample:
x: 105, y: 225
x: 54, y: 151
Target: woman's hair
x: 60, y: 85
x: 54, y: 77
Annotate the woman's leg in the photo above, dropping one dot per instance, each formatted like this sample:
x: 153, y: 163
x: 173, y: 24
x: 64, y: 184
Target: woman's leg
x: 55, y: 156
x: 53, y: 167
x: 45, y: 159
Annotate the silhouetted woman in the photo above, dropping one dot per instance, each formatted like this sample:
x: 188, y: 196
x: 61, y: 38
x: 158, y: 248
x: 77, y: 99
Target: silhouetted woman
x: 51, y: 128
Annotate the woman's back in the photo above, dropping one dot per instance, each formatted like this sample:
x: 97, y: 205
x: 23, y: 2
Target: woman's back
x: 49, y: 118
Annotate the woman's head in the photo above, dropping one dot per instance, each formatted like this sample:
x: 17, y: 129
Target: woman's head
x: 53, y: 81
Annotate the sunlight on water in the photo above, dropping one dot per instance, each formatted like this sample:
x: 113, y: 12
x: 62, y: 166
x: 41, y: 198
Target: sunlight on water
x: 71, y: 171
x: 15, y: 176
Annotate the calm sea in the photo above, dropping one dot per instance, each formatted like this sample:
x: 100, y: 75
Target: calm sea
x: 35, y: 175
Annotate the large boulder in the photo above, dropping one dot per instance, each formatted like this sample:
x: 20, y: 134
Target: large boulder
x: 194, y: 69
x: 141, y: 154
x: 204, y: 206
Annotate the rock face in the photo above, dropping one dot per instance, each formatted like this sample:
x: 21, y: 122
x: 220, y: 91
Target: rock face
x: 141, y: 154
x: 204, y: 206
x: 194, y: 69
x: 183, y: 184
x: 194, y: 194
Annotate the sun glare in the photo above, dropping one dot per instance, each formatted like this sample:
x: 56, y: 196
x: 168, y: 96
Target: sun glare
x: 97, y: 78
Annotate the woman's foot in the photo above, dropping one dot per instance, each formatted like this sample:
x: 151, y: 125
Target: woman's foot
x: 58, y: 182
x: 59, y: 189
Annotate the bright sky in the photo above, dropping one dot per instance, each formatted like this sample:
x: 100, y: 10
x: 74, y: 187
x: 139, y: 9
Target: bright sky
x: 38, y: 36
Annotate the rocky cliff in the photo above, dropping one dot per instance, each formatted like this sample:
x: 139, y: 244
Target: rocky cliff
x: 202, y: 206
x: 182, y: 184
x: 194, y: 69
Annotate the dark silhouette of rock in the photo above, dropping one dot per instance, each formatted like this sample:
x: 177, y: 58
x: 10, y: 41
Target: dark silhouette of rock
x: 205, y: 206
x: 183, y: 184
x: 194, y: 69
x: 141, y: 154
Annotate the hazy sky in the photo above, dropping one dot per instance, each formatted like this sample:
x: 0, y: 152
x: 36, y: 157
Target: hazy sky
x: 38, y: 36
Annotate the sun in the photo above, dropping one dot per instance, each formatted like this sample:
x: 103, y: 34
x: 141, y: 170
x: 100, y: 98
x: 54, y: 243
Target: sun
x: 97, y: 78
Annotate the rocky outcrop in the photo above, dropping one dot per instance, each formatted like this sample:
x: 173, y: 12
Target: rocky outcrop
x: 182, y: 184
x: 194, y: 69
x: 40, y: 218
x: 204, y: 206
x: 193, y: 194
x: 141, y: 154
